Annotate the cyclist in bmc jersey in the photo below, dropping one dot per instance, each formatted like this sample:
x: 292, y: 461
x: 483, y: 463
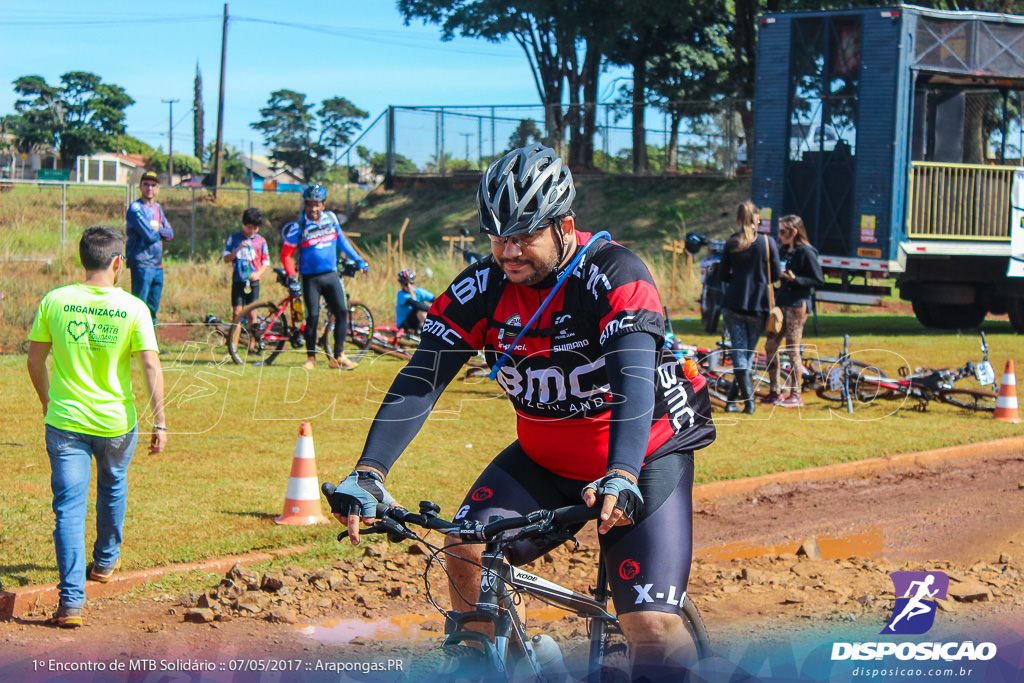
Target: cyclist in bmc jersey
x: 604, y: 411
x: 317, y: 237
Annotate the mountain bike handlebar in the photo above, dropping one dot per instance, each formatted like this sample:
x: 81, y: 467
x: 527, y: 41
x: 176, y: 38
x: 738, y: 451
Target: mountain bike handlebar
x: 394, y: 522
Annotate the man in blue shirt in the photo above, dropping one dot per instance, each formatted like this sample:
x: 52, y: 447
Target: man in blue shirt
x: 147, y: 229
x: 411, y: 304
x: 317, y: 237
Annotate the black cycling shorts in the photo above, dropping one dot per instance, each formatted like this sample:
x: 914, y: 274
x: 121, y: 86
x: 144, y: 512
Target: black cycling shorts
x: 648, y: 562
x: 240, y: 298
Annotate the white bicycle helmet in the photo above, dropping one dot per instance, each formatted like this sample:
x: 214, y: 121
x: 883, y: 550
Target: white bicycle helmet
x: 523, y: 190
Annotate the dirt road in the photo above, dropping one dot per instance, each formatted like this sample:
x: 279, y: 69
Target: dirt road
x: 962, y: 517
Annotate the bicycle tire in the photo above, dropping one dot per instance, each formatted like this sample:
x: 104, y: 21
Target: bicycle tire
x: 278, y: 328
x: 981, y: 400
x: 694, y: 625
x: 449, y: 663
x: 215, y: 344
x: 360, y: 329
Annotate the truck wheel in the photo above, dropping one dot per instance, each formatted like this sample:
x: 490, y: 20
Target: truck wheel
x: 1015, y: 309
x: 949, y: 316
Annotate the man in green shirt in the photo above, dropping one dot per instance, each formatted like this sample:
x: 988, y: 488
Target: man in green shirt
x: 92, y: 329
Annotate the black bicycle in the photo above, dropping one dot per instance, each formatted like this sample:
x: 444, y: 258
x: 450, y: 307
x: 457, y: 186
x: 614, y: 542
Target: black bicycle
x: 510, y: 653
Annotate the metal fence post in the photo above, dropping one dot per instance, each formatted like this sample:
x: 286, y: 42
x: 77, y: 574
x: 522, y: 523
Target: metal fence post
x: 63, y: 220
x: 192, y: 230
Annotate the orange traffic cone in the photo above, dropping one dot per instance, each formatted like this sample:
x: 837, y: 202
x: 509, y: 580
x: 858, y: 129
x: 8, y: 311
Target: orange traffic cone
x: 1006, y: 403
x: 302, y: 499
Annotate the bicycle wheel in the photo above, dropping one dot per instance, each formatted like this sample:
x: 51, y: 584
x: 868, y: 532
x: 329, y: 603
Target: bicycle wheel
x: 698, y: 634
x: 268, y: 332
x: 360, y: 329
x: 970, y: 399
x: 450, y: 663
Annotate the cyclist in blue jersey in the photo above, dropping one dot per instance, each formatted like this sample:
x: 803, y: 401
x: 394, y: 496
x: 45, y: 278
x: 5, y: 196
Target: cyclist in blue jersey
x: 147, y: 228
x: 411, y: 304
x: 317, y: 237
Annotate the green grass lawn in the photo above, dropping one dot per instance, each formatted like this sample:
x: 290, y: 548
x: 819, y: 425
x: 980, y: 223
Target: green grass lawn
x: 232, y: 436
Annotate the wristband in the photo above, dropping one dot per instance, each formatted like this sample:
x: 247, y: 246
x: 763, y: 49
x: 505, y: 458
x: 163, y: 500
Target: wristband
x: 162, y: 429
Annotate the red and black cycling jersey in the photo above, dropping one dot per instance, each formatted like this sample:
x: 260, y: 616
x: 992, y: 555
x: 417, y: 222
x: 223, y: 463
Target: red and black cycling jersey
x: 556, y: 377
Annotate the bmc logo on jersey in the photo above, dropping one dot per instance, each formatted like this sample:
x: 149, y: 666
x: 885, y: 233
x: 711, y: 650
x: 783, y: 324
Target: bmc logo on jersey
x: 468, y: 287
x: 613, y: 326
x: 438, y: 329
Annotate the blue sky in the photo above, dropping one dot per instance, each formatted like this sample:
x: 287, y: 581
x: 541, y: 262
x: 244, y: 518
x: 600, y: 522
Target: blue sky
x: 361, y: 52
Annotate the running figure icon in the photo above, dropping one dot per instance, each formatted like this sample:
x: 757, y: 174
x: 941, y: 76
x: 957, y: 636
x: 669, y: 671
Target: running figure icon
x: 917, y: 593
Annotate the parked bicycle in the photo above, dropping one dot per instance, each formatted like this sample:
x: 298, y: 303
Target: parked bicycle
x: 265, y: 327
x: 867, y: 384
x: 511, y: 653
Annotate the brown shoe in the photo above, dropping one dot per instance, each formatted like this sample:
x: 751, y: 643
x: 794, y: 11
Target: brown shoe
x: 342, y: 362
x: 66, y: 617
x: 102, y: 574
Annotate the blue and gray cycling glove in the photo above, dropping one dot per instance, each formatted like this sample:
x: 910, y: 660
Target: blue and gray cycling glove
x: 360, y: 493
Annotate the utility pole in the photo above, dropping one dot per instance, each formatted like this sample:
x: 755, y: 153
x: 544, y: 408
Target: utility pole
x: 220, y: 104
x: 467, y: 136
x: 170, y: 141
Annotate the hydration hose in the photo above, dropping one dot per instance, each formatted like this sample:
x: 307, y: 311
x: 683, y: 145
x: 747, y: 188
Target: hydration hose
x: 507, y: 355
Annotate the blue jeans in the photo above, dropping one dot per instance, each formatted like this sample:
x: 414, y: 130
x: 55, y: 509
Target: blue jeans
x: 744, y: 332
x: 148, y: 285
x: 71, y: 456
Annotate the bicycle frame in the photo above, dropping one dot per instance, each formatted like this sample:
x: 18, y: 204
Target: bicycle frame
x: 494, y: 606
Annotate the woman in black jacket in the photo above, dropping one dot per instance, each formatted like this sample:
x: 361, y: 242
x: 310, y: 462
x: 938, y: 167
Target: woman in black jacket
x: 801, y: 274
x: 744, y: 267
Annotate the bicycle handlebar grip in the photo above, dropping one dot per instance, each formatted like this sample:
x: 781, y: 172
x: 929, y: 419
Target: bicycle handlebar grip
x: 576, y: 514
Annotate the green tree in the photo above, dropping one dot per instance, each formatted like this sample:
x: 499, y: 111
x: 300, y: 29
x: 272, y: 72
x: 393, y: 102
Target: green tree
x: 525, y: 133
x: 132, y: 145
x: 184, y: 164
x: 197, y: 115
x: 81, y: 116
x: 232, y: 164
x: 563, y: 41
x: 302, y: 140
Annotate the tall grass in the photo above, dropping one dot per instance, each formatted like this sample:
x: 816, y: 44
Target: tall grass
x: 233, y: 429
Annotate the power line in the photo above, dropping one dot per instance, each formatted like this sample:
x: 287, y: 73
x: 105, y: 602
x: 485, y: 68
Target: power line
x: 386, y: 37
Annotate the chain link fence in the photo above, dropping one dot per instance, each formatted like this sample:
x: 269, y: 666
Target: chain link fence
x: 681, y: 137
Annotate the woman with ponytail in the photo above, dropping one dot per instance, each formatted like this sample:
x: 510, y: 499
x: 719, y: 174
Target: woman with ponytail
x: 745, y: 270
